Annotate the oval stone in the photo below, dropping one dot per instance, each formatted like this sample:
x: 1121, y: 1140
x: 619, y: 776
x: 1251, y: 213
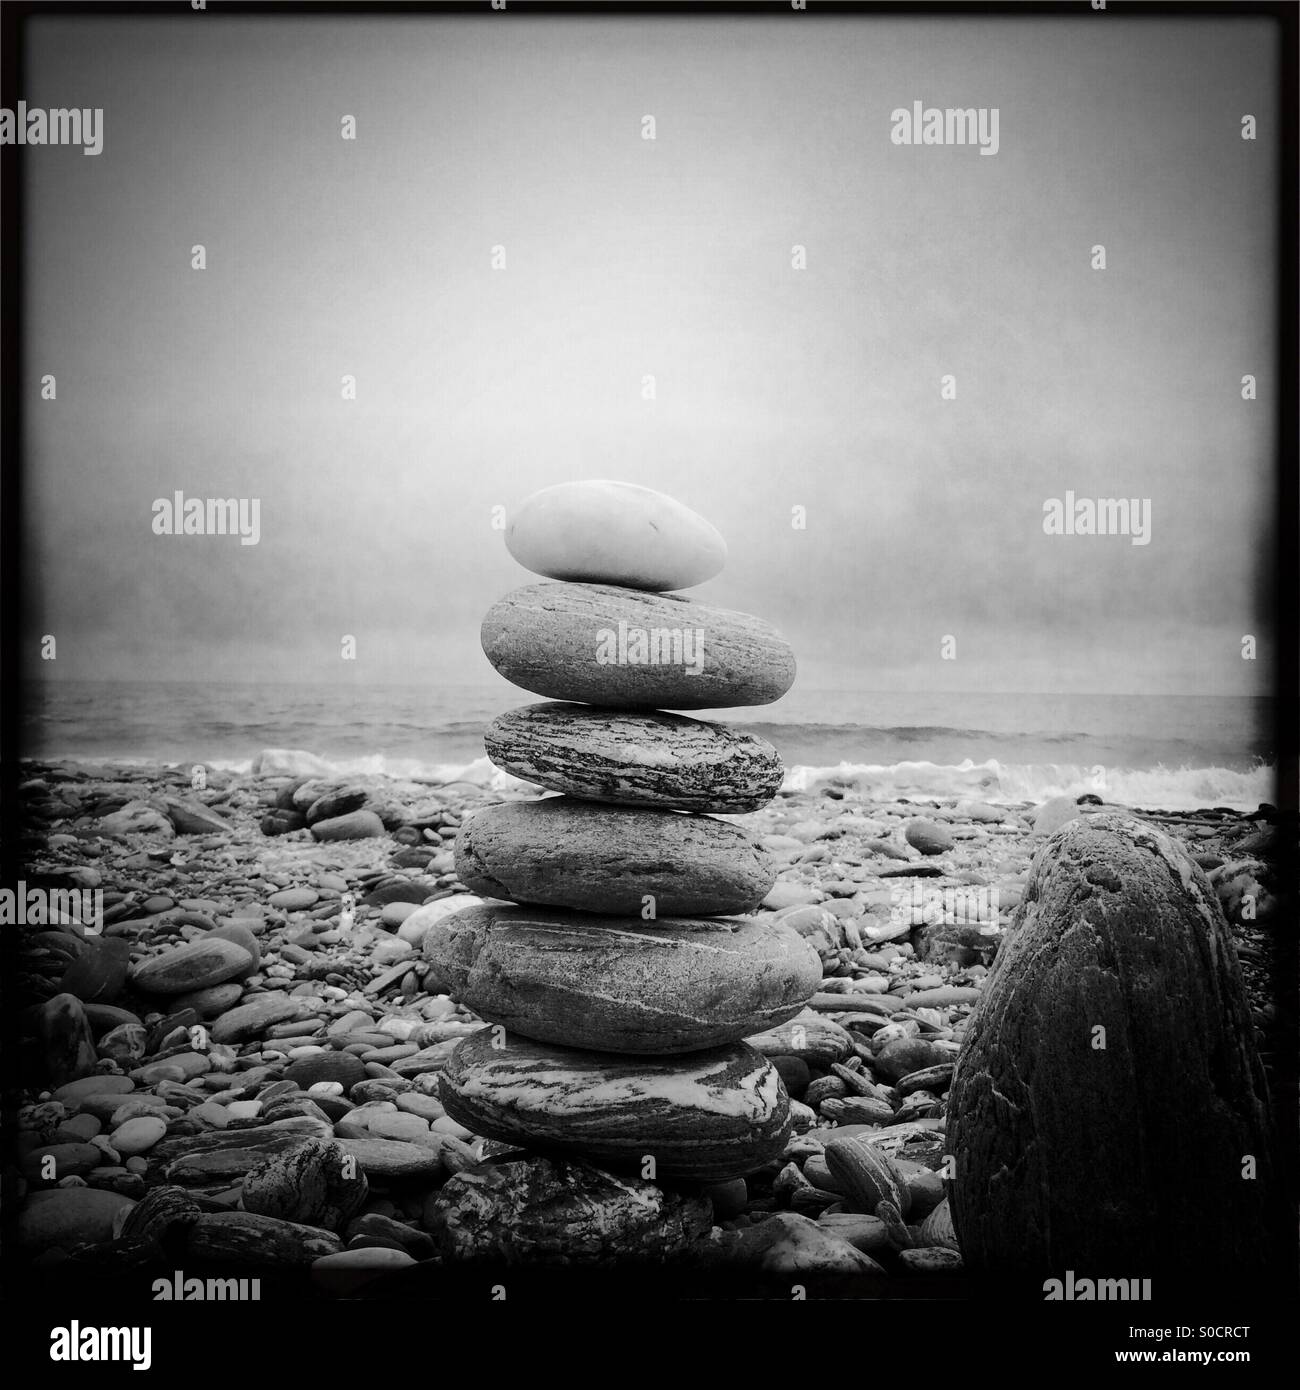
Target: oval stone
x: 344, y: 1067
x: 312, y: 1183
x: 568, y: 853
x: 819, y: 1041
x: 197, y: 965
x: 617, y: 985
x: 69, y: 1216
x: 598, y: 644
x: 664, y: 760
x: 1124, y: 1158
x: 707, y: 1116
x: 600, y: 532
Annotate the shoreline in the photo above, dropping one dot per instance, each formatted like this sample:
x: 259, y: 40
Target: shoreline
x: 1011, y: 785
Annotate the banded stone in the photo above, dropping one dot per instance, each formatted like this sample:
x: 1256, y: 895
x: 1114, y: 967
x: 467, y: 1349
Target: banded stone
x: 663, y: 760
x: 708, y: 1116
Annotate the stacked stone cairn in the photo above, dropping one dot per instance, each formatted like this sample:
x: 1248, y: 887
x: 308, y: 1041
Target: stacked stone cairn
x: 611, y: 957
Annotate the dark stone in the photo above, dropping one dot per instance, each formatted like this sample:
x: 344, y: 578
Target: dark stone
x: 66, y: 1041
x: 98, y: 974
x: 334, y: 804
x: 398, y: 891
x: 245, y: 1238
x: 279, y: 822
x: 311, y: 1183
x: 794, y: 1072
x: 1124, y: 1160
x: 163, y: 1216
x: 543, y: 1210
x: 346, y: 1067
x: 376, y: 1227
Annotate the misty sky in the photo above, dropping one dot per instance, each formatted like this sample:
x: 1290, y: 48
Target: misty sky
x: 670, y: 258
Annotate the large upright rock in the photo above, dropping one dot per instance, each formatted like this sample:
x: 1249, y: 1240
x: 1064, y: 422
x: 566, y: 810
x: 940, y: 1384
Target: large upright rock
x: 1108, y: 1105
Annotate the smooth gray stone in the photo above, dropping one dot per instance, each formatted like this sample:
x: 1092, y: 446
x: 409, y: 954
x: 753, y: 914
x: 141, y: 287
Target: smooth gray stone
x: 564, y: 641
x: 568, y: 853
x: 621, y: 985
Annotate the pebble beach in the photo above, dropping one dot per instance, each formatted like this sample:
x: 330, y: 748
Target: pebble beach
x: 322, y: 1019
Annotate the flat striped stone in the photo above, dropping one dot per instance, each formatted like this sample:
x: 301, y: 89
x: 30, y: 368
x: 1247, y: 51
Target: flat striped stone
x: 567, y: 853
x: 707, y: 1116
x: 631, y: 759
x: 600, y: 644
x: 620, y: 985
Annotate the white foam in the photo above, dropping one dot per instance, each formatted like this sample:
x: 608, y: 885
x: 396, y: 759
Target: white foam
x: 1173, y: 789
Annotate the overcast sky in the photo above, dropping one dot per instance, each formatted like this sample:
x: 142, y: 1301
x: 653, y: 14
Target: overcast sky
x: 775, y: 388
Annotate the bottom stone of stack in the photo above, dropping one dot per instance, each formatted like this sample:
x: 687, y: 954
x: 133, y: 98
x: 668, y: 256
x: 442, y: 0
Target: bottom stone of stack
x: 708, y: 1116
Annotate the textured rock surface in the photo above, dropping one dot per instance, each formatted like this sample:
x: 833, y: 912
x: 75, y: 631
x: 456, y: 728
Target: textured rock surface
x: 819, y: 1041
x: 310, y: 1183
x: 790, y: 1244
x: 548, y: 638
x: 664, y: 760
x: 244, y: 1238
x: 599, y: 532
x: 538, y: 1210
x: 621, y: 985
x: 1125, y: 1159
x: 569, y: 853
x: 227, y: 1154
x: 710, y: 1115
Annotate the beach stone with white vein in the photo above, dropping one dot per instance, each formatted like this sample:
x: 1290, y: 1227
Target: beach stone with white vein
x: 601, y: 644
x: 569, y: 853
x: 621, y: 985
x: 709, y: 1115
x: 633, y: 759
